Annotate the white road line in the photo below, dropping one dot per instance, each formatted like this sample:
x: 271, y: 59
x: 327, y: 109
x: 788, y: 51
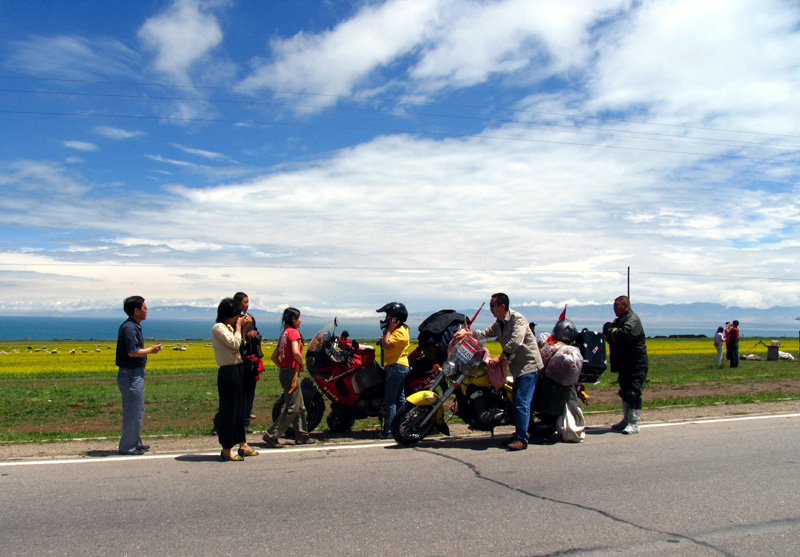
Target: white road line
x: 322, y: 447
x: 119, y: 458
x: 718, y: 420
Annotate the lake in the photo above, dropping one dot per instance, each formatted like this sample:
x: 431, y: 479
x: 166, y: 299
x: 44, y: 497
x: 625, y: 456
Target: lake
x: 99, y: 328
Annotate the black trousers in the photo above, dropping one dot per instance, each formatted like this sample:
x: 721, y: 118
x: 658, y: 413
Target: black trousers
x: 631, y: 383
x: 230, y: 418
x: 249, y: 386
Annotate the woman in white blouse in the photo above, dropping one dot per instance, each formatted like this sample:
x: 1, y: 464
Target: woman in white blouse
x: 226, y: 338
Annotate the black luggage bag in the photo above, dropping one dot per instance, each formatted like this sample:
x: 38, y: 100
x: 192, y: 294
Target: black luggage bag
x: 593, y: 349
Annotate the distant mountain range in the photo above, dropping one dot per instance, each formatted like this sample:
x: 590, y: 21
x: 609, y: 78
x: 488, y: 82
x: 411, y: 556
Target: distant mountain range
x: 693, y: 315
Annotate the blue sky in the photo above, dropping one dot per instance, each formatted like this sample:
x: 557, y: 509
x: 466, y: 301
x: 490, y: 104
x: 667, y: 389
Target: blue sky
x: 338, y: 155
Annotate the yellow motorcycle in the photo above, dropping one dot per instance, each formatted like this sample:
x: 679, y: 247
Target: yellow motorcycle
x: 479, y: 403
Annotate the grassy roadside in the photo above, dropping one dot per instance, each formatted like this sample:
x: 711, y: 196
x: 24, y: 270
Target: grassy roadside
x: 52, y: 396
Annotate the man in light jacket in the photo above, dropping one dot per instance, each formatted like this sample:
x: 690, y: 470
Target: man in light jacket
x: 522, y: 352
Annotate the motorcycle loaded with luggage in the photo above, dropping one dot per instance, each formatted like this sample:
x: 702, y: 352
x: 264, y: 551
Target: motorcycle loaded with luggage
x: 482, y: 400
x: 351, y: 379
x: 571, y: 358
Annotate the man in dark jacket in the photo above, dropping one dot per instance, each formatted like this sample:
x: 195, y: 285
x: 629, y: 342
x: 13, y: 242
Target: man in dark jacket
x: 628, y: 353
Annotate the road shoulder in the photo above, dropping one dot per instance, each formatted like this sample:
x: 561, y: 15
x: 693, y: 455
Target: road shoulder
x: 106, y: 447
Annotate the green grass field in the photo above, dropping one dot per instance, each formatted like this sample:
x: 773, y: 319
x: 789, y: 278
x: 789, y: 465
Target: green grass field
x: 56, y: 390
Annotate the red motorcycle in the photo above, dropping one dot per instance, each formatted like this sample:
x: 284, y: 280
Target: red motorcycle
x: 350, y: 378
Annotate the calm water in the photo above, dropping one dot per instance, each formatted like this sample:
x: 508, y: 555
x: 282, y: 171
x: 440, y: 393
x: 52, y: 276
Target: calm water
x: 102, y: 328
x: 89, y: 328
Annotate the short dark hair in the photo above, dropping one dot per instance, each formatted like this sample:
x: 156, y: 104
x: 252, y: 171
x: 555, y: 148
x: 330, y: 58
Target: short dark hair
x: 227, y: 308
x: 239, y: 296
x: 131, y: 304
x: 735, y: 323
x: 501, y: 299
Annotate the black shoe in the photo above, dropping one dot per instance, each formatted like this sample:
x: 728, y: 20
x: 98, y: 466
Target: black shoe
x: 214, y: 432
x: 144, y: 447
x: 134, y: 452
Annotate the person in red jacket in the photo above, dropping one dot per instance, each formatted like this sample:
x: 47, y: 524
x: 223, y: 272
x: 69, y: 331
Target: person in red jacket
x: 732, y: 344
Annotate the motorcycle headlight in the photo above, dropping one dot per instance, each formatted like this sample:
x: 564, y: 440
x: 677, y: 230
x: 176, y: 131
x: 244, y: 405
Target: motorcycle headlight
x: 449, y: 368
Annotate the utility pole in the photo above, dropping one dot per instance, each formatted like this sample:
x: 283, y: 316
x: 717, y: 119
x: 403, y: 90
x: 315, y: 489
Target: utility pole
x: 629, y: 282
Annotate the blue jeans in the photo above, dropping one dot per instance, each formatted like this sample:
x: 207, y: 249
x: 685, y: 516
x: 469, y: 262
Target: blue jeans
x: 394, y: 394
x: 131, y: 386
x: 521, y: 397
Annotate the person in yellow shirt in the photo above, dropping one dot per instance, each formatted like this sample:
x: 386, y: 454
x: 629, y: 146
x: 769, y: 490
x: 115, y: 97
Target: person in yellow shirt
x: 394, y: 343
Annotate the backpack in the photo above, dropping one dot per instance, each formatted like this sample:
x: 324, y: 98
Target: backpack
x: 436, y: 332
x: 593, y: 349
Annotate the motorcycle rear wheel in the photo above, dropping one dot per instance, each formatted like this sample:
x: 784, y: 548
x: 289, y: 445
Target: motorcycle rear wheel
x: 406, y: 426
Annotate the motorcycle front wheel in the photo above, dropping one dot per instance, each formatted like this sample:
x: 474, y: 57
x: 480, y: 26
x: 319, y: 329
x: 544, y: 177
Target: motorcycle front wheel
x: 407, y: 427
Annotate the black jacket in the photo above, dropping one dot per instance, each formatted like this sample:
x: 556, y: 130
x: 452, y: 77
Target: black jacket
x: 626, y: 343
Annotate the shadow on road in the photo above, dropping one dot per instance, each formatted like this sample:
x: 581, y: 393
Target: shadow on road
x: 101, y: 453
x: 599, y: 430
x: 198, y: 458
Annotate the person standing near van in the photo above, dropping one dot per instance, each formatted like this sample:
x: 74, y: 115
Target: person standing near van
x: 131, y: 359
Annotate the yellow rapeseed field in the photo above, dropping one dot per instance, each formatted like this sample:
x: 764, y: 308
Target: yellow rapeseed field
x: 676, y: 346
x: 78, y: 357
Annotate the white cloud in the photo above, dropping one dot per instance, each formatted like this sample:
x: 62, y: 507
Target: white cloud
x: 159, y: 158
x: 72, y: 57
x: 545, y: 212
x: 446, y: 44
x: 181, y: 35
x: 80, y: 146
x: 118, y: 133
x: 726, y: 63
x: 474, y: 41
x: 203, y: 153
x: 333, y: 62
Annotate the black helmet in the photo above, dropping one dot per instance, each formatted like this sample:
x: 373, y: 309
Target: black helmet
x: 565, y: 331
x: 396, y: 310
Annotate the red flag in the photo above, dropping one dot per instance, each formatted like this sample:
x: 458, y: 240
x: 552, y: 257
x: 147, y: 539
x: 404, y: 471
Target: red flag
x: 563, y: 314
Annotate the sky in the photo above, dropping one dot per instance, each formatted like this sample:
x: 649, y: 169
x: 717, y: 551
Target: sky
x: 338, y: 155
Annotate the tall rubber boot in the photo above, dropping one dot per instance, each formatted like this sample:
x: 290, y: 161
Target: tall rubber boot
x: 619, y: 426
x: 633, y: 422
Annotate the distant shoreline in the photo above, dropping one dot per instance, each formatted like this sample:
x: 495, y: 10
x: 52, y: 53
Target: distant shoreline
x: 363, y: 341
x: 104, y: 329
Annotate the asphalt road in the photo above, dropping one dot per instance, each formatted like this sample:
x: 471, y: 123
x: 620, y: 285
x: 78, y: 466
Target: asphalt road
x: 727, y: 487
